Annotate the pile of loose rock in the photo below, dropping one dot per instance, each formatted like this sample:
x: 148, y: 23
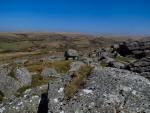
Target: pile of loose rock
x: 138, y: 49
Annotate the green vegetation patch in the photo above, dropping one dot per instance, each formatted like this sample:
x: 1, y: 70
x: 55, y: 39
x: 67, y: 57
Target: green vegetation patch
x: 78, y: 81
x: 123, y: 59
x: 103, y: 63
x: 6, y: 47
x: 21, y: 90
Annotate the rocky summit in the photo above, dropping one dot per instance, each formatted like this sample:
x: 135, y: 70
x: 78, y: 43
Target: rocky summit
x: 112, y: 79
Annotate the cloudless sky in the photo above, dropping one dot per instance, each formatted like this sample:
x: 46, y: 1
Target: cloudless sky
x: 131, y: 17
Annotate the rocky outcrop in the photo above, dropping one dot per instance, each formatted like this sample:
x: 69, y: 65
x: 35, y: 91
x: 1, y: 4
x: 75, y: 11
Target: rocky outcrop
x: 138, y: 49
x: 99, y: 54
x: 107, y: 90
x: 141, y: 66
x: 71, y: 53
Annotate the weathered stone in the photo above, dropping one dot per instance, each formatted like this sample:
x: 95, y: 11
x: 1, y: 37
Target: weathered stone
x: 141, y: 66
x: 28, y: 102
x: 108, y: 60
x: 74, y: 66
x: 23, y: 76
x: 11, y: 79
x: 116, y: 64
x: 107, y: 90
x: 86, y: 60
x: 8, y: 85
x: 47, y: 72
x: 99, y: 54
x: 71, y: 53
x: 138, y: 49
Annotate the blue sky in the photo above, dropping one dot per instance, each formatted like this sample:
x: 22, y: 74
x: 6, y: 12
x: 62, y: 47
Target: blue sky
x: 127, y: 17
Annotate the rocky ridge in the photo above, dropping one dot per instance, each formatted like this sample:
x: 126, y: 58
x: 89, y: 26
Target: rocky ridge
x: 117, y: 83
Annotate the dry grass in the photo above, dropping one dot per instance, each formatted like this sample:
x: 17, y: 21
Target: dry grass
x: 60, y: 66
x: 77, y: 82
x: 14, y: 55
x: 38, y: 80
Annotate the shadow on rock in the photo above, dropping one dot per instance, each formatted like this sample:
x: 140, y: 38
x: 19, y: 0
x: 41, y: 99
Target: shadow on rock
x: 43, y: 106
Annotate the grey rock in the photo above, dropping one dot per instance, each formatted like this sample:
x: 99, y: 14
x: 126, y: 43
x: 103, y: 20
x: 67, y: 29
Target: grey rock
x: 141, y: 66
x: 99, y: 53
x: 138, y: 49
x: 108, y: 60
x: 21, y: 61
x: 8, y: 85
x: 47, y: 72
x: 145, y: 74
x: 86, y: 60
x: 116, y: 64
x: 12, y: 79
x: 28, y: 102
x: 107, y: 90
x: 74, y: 66
x: 71, y: 53
x: 23, y: 76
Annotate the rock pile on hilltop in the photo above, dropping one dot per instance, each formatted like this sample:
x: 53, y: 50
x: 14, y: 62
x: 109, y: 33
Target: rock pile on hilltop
x: 105, y: 80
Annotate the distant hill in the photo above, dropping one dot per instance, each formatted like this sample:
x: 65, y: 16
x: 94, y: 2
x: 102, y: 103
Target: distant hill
x: 32, y: 41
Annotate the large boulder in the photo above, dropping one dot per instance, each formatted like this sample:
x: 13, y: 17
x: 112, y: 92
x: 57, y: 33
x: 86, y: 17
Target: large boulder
x: 71, y: 53
x: 11, y: 79
x: 107, y: 90
x: 23, y: 76
x: 8, y: 84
